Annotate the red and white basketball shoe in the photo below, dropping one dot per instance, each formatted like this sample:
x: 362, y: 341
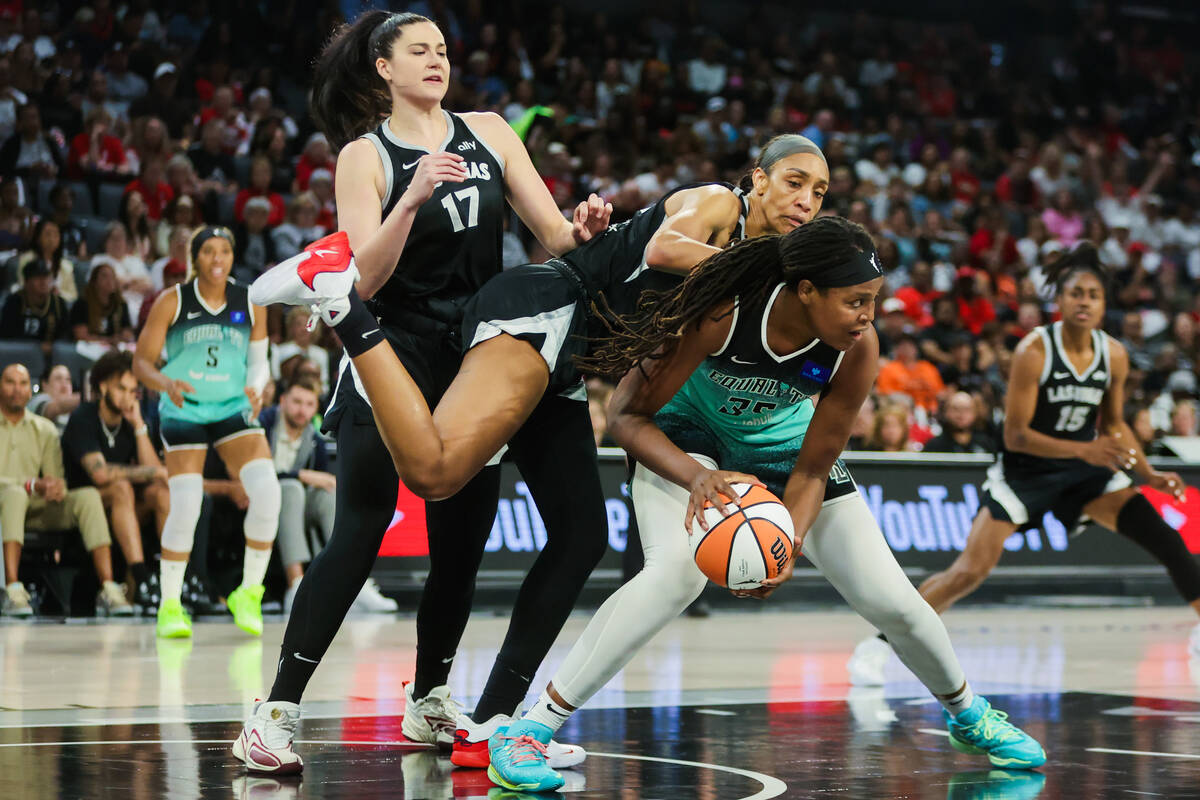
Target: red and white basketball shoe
x: 265, y: 744
x: 432, y: 719
x: 322, y: 272
x: 471, y: 745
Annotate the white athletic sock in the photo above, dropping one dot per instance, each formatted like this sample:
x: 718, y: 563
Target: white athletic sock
x: 548, y: 712
x: 958, y: 702
x: 254, y: 567
x: 171, y: 578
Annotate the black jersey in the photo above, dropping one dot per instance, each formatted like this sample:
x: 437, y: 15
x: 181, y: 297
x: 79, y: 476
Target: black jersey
x: 1068, y: 402
x: 614, y: 262
x: 454, y: 245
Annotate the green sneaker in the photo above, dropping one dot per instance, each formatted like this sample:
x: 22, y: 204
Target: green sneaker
x: 173, y: 621
x: 245, y: 603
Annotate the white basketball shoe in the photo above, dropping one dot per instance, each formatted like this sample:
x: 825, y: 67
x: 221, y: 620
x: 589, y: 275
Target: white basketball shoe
x: 432, y: 719
x: 265, y: 744
x: 866, y: 665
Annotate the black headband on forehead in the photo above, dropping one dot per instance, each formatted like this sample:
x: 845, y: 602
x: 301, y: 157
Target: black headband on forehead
x: 788, y: 145
x: 204, y: 234
x: 862, y: 267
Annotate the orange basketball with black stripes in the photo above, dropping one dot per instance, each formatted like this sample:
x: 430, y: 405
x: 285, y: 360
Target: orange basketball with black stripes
x: 750, y: 545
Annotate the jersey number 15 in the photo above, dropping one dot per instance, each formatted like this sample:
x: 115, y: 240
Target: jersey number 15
x: 1071, y: 418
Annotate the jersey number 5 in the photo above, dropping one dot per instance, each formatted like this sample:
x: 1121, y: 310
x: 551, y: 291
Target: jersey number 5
x: 212, y: 355
x: 471, y: 195
x: 1071, y: 418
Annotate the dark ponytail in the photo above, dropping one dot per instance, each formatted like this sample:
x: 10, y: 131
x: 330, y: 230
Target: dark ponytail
x: 1083, y: 257
x: 348, y: 96
x: 748, y: 271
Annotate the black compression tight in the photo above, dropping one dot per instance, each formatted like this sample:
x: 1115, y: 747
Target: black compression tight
x: 1138, y: 521
x: 366, y: 500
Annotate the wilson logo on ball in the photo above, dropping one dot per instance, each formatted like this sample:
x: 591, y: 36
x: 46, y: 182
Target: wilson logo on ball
x: 750, y: 545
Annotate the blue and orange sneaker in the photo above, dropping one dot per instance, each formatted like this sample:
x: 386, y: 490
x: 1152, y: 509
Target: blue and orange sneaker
x: 983, y: 729
x: 518, y: 758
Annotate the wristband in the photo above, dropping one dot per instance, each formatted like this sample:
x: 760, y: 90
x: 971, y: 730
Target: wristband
x: 141, y: 430
x: 29, y: 486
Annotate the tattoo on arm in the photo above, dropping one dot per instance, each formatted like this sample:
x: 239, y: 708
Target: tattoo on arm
x: 92, y: 464
x: 131, y: 473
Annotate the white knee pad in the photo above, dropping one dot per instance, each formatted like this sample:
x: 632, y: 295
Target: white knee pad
x: 262, y: 487
x: 187, y: 495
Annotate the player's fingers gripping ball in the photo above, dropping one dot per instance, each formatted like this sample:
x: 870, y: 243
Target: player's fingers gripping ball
x: 752, y: 544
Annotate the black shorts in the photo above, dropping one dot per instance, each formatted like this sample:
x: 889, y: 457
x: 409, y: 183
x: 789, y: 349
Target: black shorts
x: 178, y: 434
x: 542, y: 304
x: 1023, y: 499
x: 431, y: 351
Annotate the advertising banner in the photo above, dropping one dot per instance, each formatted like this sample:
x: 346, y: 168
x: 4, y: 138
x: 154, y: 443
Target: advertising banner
x: 924, y: 505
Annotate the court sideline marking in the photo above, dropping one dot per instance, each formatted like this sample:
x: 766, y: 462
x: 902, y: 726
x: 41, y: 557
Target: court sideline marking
x: 772, y: 786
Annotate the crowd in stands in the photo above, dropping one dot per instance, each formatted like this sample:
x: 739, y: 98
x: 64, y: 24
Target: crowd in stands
x: 973, y: 152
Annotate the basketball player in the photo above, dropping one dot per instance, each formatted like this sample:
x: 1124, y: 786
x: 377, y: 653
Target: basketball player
x: 377, y: 95
x: 211, y: 387
x: 521, y: 332
x: 1065, y: 446
x: 723, y: 374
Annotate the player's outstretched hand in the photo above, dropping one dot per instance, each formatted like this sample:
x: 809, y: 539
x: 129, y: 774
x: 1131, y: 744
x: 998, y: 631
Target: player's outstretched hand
x: 433, y: 169
x: 1109, y: 452
x: 591, y: 217
x: 1168, y: 482
x: 710, y: 485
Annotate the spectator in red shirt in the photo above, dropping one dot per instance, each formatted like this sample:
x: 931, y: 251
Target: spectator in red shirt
x: 974, y: 309
x: 321, y: 185
x: 963, y: 182
x: 919, y: 295
x: 1015, y: 186
x: 992, y: 247
x: 155, y: 191
x: 316, y: 155
x: 260, y: 186
x: 96, y: 151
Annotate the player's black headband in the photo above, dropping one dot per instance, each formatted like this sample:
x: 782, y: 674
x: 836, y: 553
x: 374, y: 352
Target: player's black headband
x: 862, y: 267
x: 204, y: 234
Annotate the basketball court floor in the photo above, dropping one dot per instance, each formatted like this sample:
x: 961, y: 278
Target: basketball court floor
x: 740, y: 706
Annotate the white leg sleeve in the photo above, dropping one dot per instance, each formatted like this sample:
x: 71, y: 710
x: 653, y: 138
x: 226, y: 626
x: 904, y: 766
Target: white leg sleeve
x: 667, y: 584
x: 262, y: 486
x: 846, y: 545
x: 187, y: 495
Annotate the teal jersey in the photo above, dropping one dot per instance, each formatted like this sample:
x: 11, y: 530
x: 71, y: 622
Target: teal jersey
x: 208, y: 348
x: 747, y: 407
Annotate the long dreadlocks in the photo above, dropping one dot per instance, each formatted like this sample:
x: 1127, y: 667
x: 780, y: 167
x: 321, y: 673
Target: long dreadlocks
x: 749, y: 271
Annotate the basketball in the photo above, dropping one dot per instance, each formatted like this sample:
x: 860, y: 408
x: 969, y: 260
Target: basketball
x: 750, y: 545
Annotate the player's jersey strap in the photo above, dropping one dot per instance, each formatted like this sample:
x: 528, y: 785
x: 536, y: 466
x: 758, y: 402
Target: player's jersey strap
x: 1068, y: 401
x: 454, y: 245
x: 207, y: 348
x: 747, y: 391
